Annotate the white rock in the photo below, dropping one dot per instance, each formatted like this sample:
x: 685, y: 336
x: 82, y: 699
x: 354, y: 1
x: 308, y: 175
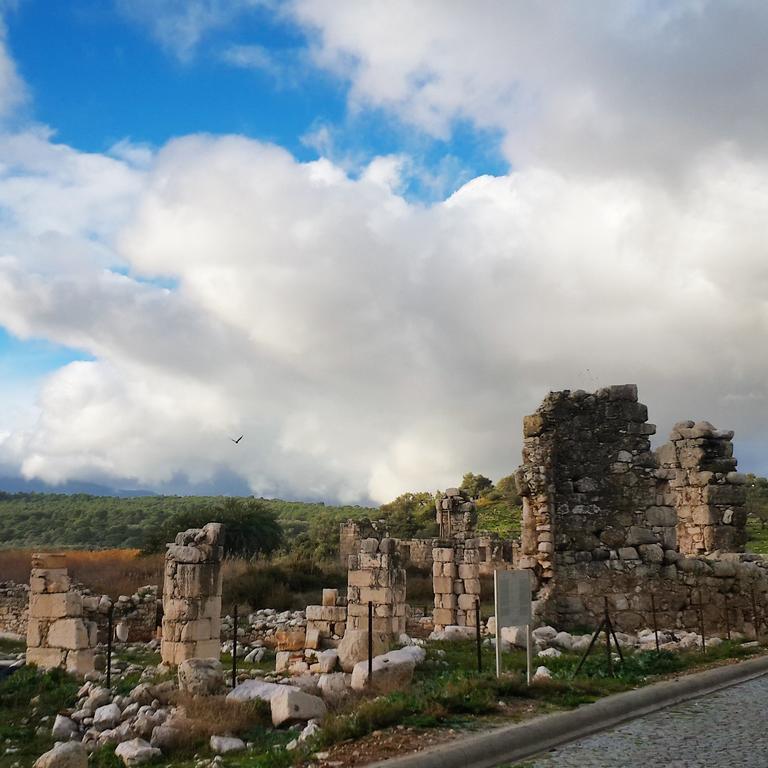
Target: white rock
x: 290, y: 706
x: 454, y: 632
x: 545, y: 633
x: 327, y: 661
x: 254, y: 689
x: 311, y: 729
x: 490, y: 625
x: 224, y: 745
x: 255, y: 656
x: 405, y: 639
x: 515, y: 636
x: 107, y: 716
x: 542, y: 673
x: 354, y: 647
x: 563, y: 640
x: 136, y: 752
x: 550, y: 653
x: 63, y: 728
x: 391, y: 672
x: 98, y: 697
x: 68, y: 754
x: 334, y: 687
x: 201, y: 677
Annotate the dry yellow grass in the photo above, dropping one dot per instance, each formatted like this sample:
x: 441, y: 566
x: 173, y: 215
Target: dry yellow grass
x: 214, y: 716
x: 111, y: 572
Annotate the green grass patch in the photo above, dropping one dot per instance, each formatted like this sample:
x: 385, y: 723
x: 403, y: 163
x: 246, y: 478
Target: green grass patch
x: 26, y: 697
x: 12, y: 646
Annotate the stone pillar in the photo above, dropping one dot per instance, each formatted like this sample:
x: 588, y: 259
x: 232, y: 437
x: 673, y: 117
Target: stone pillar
x: 375, y: 575
x: 708, y: 494
x: 326, y: 621
x: 192, y: 596
x: 456, y: 582
x: 57, y: 636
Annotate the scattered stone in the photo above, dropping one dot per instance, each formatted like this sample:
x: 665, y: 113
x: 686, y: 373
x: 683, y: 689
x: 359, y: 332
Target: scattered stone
x: 69, y: 754
x: 201, y: 677
x: 136, y: 752
x: 225, y: 745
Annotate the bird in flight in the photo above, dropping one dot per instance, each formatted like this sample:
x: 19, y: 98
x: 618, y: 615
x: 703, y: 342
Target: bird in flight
x: 236, y: 441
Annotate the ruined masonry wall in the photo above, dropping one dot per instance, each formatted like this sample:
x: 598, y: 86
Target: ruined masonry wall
x: 605, y: 517
x: 375, y: 575
x: 14, y: 607
x: 326, y: 621
x: 456, y: 583
x: 192, y: 596
x: 57, y: 636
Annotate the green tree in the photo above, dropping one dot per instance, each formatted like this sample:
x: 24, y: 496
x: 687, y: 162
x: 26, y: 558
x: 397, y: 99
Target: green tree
x: 411, y: 515
x: 475, y: 485
x: 508, y: 491
x: 757, y: 498
x: 250, y: 528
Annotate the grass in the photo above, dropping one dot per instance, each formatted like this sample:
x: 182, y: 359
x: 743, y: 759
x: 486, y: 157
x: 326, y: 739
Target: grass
x: 47, y: 693
x: 757, y: 536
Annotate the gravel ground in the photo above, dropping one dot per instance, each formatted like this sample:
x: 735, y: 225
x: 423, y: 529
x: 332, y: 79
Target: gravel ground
x: 727, y: 728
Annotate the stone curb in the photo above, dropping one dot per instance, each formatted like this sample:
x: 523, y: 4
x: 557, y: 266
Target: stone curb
x: 516, y: 742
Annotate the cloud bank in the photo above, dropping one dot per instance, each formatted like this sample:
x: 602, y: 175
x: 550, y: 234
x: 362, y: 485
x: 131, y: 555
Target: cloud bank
x: 367, y: 344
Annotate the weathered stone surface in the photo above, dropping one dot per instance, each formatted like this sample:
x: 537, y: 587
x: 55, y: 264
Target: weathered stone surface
x: 289, y: 705
x: 392, y: 671
x: 136, y: 752
x: 70, y: 754
x: 251, y: 690
x: 107, y: 716
x: 354, y: 647
x: 63, y: 728
x: 201, y: 677
x: 225, y: 745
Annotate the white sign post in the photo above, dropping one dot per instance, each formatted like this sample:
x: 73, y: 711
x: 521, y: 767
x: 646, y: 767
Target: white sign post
x: 512, y: 603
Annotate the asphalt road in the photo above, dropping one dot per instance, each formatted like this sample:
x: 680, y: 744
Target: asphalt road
x: 728, y: 728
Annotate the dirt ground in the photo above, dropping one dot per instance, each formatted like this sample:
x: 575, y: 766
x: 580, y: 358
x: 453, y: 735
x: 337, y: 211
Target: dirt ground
x: 401, y: 740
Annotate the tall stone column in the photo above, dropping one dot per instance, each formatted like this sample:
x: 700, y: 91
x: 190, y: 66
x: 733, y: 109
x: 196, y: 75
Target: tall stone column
x: 708, y: 494
x: 192, y: 596
x: 57, y: 636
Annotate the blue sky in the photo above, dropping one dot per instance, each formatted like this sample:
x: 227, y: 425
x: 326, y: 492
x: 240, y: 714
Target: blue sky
x: 371, y: 236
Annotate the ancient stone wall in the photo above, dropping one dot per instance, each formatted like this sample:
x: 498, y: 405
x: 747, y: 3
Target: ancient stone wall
x: 14, y: 608
x: 192, y: 595
x: 706, y: 491
x: 456, y: 514
x: 603, y: 517
x: 375, y: 575
x: 456, y: 582
x: 327, y: 621
x: 57, y: 635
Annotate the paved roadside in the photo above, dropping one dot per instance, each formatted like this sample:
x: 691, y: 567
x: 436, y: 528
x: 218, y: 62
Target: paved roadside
x: 727, y: 728
x: 511, y: 744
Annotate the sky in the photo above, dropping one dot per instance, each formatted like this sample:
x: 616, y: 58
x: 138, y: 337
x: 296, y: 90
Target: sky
x: 371, y: 236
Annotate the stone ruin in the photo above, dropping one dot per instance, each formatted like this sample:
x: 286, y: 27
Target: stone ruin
x: 375, y: 576
x: 326, y: 621
x: 604, y: 516
x: 57, y: 635
x: 192, y: 595
x: 455, y: 561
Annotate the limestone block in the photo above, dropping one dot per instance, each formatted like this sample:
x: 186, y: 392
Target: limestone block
x: 391, y: 672
x: 68, y: 633
x: 362, y: 578
x: 251, y: 690
x: 80, y: 662
x: 472, y: 586
x: 334, y: 687
x: 330, y: 596
x: 442, y: 584
x: 458, y: 587
x: 290, y: 640
x: 65, y: 754
x: 533, y: 425
x: 36, y: 632
x: 377, y: 595
x: 354, y: 646
x: 136, y: 752
x: 312, y: 638
x: 55, y: 606
x: 467, y: 602
x: 450, y: 570
x: 443, y: 616
x: 291, y: 706
x: 47, y: 561
x: 442, y: 554
x: 339, y: 628
x: 201, y: 677
x: 195, y: 630
x: 46, y: 658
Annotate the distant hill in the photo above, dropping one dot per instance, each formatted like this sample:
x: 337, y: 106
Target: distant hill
x: 29, y: 519
x: 20, y: 485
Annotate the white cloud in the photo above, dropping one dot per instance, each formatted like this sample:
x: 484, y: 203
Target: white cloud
x: 180, y: 25
x: 366, y: 345
x: 591, y: 87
